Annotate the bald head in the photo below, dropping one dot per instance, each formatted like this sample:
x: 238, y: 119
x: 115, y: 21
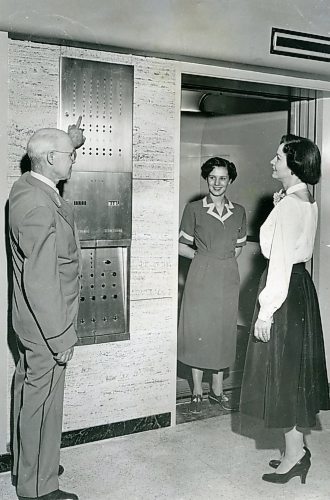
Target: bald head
x: 45, y: 140
x: 52, y: 154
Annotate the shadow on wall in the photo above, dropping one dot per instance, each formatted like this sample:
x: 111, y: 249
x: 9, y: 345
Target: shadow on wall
x: 262, y: 209
x: 25, y: 164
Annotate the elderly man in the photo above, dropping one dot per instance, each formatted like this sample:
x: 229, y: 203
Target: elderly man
x: 46, y: 267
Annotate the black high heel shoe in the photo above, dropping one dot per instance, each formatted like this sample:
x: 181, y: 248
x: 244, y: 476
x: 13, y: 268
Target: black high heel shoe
x: 196, y: 403
x: 275, y: 463
x: 221, y: 400
x: 300, y: 469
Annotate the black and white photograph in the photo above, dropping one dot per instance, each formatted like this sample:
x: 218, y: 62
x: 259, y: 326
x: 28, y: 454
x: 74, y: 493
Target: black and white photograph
x: 164, y: 249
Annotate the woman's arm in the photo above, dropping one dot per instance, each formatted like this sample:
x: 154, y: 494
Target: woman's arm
x: 186, y: 251
x: 281, y: 260
x: 187, y: 230
x: 238, y: 251
x: 241, y: 236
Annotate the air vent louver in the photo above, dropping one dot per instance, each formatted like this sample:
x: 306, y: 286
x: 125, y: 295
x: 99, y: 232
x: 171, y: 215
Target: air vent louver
x: 296, y: 44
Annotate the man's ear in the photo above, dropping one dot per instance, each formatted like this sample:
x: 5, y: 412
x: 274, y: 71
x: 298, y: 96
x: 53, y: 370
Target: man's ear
x: 50, y: 157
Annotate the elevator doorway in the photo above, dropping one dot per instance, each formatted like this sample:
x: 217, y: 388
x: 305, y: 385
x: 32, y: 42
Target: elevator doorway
x: 242, y: 122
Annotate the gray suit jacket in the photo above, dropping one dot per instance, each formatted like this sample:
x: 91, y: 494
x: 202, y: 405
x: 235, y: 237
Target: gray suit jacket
x: 46, y: 264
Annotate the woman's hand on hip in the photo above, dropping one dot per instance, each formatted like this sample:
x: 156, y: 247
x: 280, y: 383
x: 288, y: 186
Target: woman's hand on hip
x: 262, y: 330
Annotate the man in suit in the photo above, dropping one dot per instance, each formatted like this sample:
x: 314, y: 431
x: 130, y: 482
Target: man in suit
x: 46, y: 268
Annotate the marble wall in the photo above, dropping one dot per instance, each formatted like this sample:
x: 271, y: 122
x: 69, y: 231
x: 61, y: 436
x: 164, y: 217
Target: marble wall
x: 118, y: 381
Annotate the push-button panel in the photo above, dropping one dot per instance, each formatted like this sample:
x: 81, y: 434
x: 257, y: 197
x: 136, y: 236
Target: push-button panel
x: 103, y: 312
x: 110, y: 290
x: 86, y: 315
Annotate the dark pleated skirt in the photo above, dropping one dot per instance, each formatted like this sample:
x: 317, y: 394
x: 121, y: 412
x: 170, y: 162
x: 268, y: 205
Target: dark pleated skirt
x: 285, y: 380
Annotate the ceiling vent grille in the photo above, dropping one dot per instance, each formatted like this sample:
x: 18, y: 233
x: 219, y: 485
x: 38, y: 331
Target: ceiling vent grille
x: 296, y: 44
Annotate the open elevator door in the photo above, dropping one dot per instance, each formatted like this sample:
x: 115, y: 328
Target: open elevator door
x: 243, y: 122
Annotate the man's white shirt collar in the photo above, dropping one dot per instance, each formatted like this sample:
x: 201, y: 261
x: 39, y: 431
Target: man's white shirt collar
x: 44, y: 179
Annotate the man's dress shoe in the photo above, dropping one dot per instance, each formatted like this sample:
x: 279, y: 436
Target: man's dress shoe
x: 14, y: 478
x: 54, y: 495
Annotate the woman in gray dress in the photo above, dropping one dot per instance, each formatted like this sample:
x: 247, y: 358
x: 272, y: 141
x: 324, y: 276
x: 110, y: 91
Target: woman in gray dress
x: 212, y: 233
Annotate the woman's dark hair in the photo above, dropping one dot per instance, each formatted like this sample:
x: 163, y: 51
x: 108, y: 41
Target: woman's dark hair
x: 303, y: 158
x: 216, y: 161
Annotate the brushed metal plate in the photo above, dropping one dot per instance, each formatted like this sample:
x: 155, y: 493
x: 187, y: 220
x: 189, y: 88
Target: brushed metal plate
x: 102, y: 93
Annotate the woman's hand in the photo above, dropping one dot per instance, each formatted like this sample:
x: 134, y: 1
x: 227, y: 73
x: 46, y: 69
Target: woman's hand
x: 262, y: 330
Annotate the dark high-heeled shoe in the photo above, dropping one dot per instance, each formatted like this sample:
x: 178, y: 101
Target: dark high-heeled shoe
x: 300, y: 469
x: 196, y: 403
x: 275, y: 463
x: 221, y: 400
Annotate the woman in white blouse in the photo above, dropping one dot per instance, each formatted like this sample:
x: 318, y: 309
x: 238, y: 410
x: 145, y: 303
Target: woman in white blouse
x: 285, y: 378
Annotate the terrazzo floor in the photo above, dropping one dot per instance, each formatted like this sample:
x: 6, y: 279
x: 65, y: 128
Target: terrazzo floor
x: 222, y: 457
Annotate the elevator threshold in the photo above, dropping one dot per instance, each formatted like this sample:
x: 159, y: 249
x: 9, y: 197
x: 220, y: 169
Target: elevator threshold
x: 184, y: 415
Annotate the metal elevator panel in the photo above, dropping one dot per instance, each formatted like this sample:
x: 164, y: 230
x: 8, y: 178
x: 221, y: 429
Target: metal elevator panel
x: 102, y: 204
x: 110, y: 290
x: 86, y: 314
x: 103, y: 294
x: 100, y: 191
x: 102, y: 94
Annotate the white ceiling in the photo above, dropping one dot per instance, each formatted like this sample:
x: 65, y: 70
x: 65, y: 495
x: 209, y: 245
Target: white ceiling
x: 224, y: 30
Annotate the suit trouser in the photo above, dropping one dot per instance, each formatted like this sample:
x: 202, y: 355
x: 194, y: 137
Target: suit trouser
x: 37, y: 420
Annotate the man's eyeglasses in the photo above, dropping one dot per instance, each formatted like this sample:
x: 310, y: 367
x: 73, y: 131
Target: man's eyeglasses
x: 72, y: 154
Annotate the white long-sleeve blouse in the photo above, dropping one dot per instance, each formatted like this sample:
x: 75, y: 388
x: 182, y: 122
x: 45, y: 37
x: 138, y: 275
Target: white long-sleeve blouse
x: 286, y: 238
